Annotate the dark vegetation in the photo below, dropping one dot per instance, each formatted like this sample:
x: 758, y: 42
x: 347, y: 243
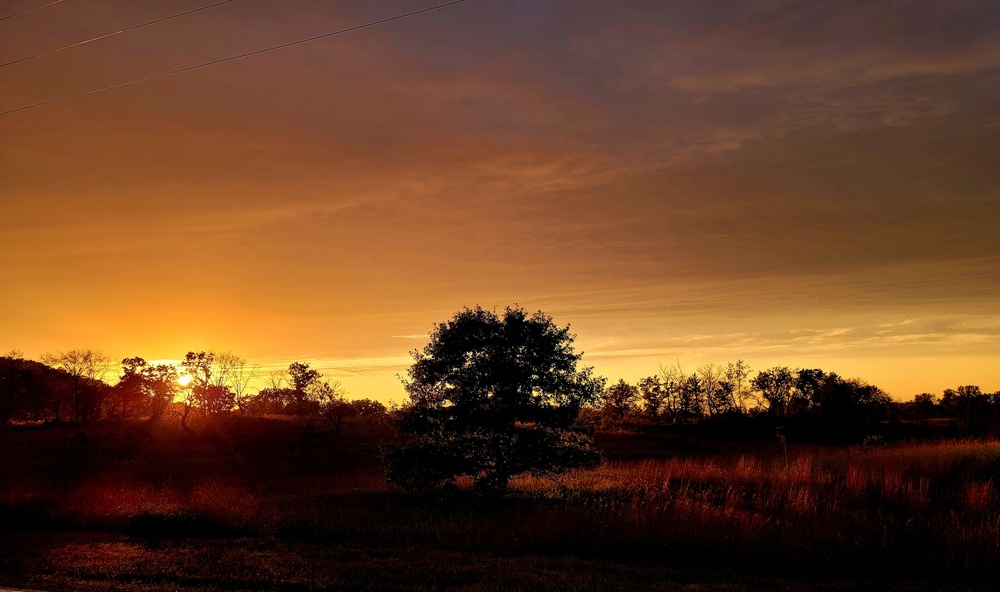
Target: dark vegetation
x: 491, y: 397
x: 70, y: 387
x: 490, y: 476
x: 283, y: 503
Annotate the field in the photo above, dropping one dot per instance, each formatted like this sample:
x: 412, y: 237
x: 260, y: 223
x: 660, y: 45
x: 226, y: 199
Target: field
x: 270, y: 504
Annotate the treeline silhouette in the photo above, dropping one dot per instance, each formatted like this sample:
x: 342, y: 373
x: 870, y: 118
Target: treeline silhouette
x: 73, y: 386
x: 808, y: 404
x: 731, y: 401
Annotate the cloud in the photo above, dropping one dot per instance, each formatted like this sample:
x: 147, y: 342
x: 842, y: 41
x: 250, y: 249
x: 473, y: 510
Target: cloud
x: 669, y: 177
x: 946, y: 336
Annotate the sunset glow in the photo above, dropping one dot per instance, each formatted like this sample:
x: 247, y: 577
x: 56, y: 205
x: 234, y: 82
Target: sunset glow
x: 806, y: 184
x: 468, y: 295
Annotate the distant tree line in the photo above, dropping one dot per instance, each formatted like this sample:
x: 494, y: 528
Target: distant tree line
x: 965, y: 410
x: 819, y: 405
x: 73, y: 386
x: 673, y: 396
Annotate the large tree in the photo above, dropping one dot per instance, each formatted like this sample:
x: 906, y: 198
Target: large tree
x: 493, y: 396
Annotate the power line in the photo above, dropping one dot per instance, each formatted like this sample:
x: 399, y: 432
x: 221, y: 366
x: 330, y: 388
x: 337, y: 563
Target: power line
x: 3, y: 18
x: 112, y: 34
x: 235, y: 57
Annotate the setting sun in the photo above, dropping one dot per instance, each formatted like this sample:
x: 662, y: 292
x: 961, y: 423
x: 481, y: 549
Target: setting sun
x: 184, y: 380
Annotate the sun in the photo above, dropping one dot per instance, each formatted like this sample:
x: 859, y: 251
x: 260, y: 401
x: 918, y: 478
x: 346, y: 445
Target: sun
x: 184, y: 380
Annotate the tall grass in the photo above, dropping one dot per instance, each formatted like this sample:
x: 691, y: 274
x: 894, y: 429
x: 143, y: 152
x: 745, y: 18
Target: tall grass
x: 913, y: 510
x: 923, y: 507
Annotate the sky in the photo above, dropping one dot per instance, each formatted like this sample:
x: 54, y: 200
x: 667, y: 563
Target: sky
x: 801, y: 183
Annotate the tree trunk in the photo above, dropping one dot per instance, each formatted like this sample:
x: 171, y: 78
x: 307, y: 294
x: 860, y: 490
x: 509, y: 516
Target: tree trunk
x: 184, y: 417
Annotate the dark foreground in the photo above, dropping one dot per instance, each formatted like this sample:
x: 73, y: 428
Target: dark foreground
x: 275, y: 505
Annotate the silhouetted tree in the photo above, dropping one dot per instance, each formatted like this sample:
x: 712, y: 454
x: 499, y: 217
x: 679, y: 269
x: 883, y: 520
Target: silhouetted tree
x: 299, y: 391
x: 671, y: 378
x: 305, y: 382
x: 16, y: 378
x: 87, y: 368
x: 737, y: 374
x: 994, y: 398
x: 492, y: 396
x: 234, y: 373
x: 207, y: 391
x: 923, y: 406
x: 971, y: 406
x: 198, y: 365
x: 273, y: 398
x: 277, y: 379
x: 849, y: 404
x: 133, y: 391
x: 805, y: 391
x: 212, y: 399
x: 715, y: 391
x: 690, y: 398
x: 270, y: 400
x: 210, y: 383
x: 620, y: 400
x: 162, y: 382
x: 30, y: 390
x: 873, y: 403
x: 332, y: 403
x: 652, y: 393
x: 775, y: 386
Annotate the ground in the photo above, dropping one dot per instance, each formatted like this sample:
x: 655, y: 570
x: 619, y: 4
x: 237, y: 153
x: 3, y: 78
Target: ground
x: 272, y: 504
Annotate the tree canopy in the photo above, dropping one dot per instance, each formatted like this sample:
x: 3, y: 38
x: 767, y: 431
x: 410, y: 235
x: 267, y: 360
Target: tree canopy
x: 492, y: 396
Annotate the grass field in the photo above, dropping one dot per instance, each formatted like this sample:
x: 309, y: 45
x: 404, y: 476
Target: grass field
x: 268, y: 504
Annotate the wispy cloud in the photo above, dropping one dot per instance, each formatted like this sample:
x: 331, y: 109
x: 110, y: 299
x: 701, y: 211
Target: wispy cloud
x: 675, y: 179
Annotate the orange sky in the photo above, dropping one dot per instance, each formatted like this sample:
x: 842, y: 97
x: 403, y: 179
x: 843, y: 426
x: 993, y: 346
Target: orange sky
x: 801, y: 183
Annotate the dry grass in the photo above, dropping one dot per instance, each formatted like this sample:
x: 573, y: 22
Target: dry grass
x: 924, y: 507
x: 925, y: 511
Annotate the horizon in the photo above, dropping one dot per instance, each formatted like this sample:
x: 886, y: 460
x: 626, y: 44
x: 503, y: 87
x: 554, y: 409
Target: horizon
x: 379, y: 378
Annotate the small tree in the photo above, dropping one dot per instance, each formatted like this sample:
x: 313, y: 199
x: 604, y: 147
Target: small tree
x: 923, y: 406
x: 301, y: 391
x: 306, y: 391
x: 162, y: 379
x: 620, y: 400
x: 332, y: 402
x: 233, y: 372
x: 690, y: 398
x: 492, y: 396
x: 653, y: 394
x: 208, y: 392
x: 133, y: 391
x: 737, y: 374
x: 775, y: 386
x: 671, y: 377
x: 716, y: 392
x: 212, y: 399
